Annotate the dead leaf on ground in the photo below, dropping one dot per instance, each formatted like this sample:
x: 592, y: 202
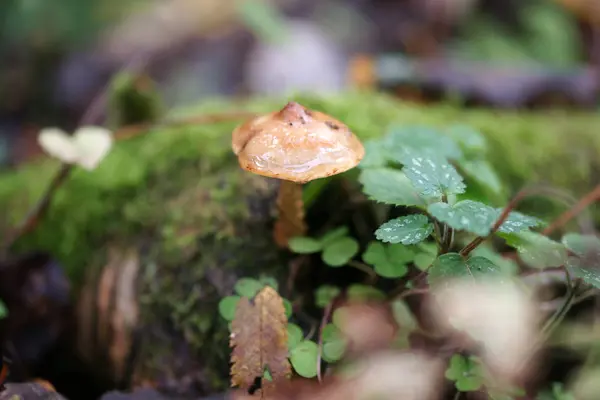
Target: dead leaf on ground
x: 259, y: 341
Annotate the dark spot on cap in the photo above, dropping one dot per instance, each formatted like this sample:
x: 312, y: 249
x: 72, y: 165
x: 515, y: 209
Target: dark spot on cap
x: 332, y: 125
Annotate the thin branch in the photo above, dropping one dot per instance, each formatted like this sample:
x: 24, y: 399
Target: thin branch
x: 571, y: 213
x: 324, y: 320
x: 371, y: 275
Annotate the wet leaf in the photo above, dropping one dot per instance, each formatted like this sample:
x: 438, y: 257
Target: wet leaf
x: 248, y: 287
x: 340, y: 252
x: 227, y: 307
x: 259, y: 340
x: 304, y: 245
x: 389, y: 186
x: 410, y: 229
x: 432, y: 176
x: 304, y: 358
x: 325, y: 295
x: 453, y: 265
x: 478, y: 218
x: 586, y: 265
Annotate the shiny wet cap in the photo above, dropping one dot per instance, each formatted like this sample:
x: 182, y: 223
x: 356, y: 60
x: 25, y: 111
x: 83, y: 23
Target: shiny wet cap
x: 296, y: 144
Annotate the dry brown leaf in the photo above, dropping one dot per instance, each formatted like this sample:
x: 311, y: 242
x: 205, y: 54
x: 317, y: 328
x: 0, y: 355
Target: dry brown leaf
x: 259, y: 340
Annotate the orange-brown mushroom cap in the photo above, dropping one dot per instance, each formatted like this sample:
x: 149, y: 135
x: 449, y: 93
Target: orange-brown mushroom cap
x: 296, y: 144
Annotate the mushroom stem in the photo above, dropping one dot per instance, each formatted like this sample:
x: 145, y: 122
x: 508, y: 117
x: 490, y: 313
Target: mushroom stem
x: 290, y: 221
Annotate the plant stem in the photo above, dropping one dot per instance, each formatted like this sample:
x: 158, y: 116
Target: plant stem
x: 571, y: 213
x: 560, y: 313
x: 372, y: 276
x: 324, y: 320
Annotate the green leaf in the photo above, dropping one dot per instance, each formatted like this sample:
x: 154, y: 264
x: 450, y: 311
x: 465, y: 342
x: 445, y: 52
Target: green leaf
x: 248, y: 287
x: 388, y: 261
x: 591, y: 276
x: 483, y: 173
x: 334, y: 344
x: 340, y: 252
x: 269, y: 281
x: 304, y: 245
x: 467, y: 138
x: 333, y: 235
x: 3, y: 310
x: 466, y: 215
x: 403, y: 316
x: 424, y: 260
x: 295, y: 335
x: 410, y: 229
x: 469, y: 383
x: 375, y: 253
x: 325, y: 295
x: 516, y: 222
x: 227, y: 307
x: 362, y: 293
x: 304, y: 358
x: 432, y: 176
x: 583, y: 245
x: 465, y: 372
x: 537, y: 250
x: 288, y: 307
x: 376, y: 155
x: 422, y: 140
x: 478, y: 218
x: 506, y: 265
x: 389, y: 186
x: 453, y: 265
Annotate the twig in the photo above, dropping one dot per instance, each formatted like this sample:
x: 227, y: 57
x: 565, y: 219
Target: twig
x: 536, y: 190
x: 371, y: 275
x: 571, y: 213
x: 324, y: 320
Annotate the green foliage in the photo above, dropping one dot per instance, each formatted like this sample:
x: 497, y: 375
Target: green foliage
x: 453, y: 265
x: 334, y: 344
x: 295, y: 335
x: 466, y: 373
x: 263, y: 19
x: 410, y: 229
x: 247, y: 287
x: 585, y: 264
x: 537, y: 250
x: 337, y: 248
x: 325, y: 295
x: 478, y: 218
x: 409, y: 140
x: 303, y: 358
x: 389, y: 261
x: 389, y: 186
x: 557, y: 392
x: 3, y: 310
x: 432, y: 175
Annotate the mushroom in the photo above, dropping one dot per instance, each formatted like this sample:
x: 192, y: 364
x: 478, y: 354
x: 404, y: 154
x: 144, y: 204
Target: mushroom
x: 296, y: 145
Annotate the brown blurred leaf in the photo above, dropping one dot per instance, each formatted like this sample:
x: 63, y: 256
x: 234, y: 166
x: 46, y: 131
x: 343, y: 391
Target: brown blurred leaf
x: 366, y: 326
x: 259, y: 340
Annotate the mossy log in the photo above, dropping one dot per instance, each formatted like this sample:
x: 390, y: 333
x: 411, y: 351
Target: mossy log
x: 161, y: 230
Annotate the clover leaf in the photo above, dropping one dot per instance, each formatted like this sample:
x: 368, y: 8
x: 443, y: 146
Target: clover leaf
x: 466, y: 373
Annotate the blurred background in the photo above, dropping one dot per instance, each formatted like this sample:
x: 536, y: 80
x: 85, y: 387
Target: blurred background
x: 56, y: 56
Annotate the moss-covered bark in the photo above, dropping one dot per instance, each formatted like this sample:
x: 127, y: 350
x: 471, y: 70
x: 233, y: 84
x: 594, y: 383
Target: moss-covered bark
x: 198, y: 222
